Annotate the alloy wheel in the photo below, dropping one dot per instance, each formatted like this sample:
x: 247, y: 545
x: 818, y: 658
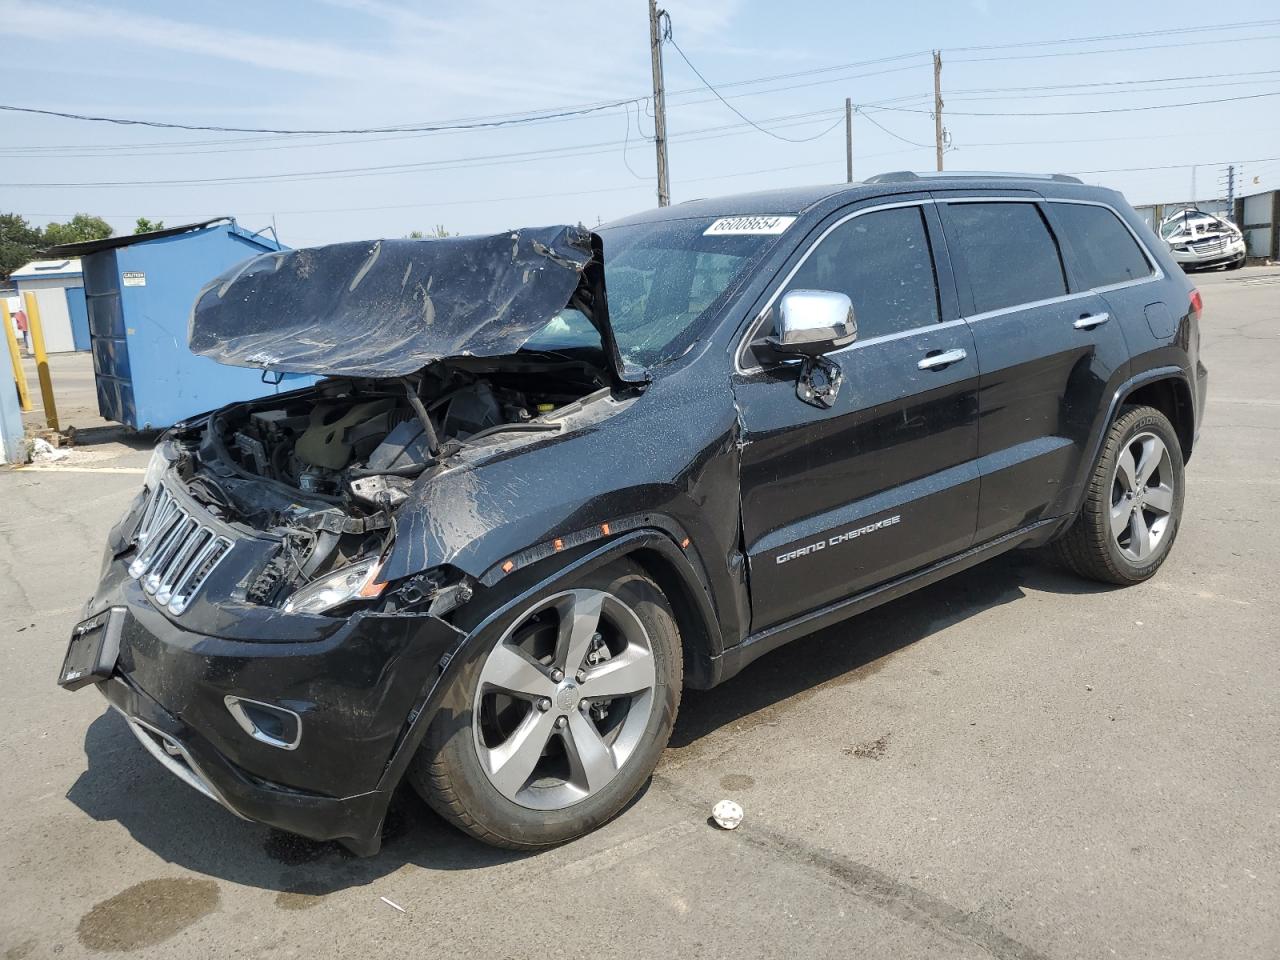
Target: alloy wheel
x: 1142, y: 497
x: 564, y: 698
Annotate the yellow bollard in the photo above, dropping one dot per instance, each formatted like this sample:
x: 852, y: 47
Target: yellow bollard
x: 19, y: 375
x: 42, y: 360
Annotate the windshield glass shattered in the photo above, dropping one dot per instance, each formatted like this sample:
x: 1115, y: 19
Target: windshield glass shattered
x: 662, y: 278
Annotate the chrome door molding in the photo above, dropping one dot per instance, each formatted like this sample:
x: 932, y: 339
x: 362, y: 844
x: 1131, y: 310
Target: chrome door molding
x: 740, y: 363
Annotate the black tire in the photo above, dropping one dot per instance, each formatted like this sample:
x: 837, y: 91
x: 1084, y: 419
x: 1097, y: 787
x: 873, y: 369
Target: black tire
x: 1236, y: 264
x: 1088, y: 547
x: 447, y: 770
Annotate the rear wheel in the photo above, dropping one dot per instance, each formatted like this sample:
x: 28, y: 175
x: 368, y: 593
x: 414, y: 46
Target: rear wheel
x: 1133, y: 504
x: 559, y: 713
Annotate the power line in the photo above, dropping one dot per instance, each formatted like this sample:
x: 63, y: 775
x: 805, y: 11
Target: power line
x: 1121, y: 36
x: 1084, y: 53
x: 401, y: 128
x: 709, y: 86
x: 1113, y: 83
x: 1081, y: 113
x: 480, y: 200
x: 459, y: 126
x: 536, y: 116
x: 496, y: 159
x: 587, y: 149
x: 875, y: 122
x: 1170, y: 166
x: 960, y: 94
x: 992, y: 98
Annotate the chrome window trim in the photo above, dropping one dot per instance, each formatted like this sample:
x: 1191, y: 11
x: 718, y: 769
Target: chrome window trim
x: 1157, y: 273
x: 754, y: 327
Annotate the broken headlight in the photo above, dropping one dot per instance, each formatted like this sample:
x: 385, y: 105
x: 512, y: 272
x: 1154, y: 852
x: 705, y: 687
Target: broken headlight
x: 352, y: 582
x: 155, y: 469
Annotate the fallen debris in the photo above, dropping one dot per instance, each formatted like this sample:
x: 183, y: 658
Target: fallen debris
x: 727, y: 815
x: 42, y: 451
x: 392, y: 903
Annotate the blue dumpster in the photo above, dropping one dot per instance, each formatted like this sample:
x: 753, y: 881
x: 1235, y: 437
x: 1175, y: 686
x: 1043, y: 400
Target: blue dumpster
x: 139, y: 290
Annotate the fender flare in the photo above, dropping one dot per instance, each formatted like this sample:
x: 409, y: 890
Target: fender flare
x: 423, y: 715
x: 1122, y: 393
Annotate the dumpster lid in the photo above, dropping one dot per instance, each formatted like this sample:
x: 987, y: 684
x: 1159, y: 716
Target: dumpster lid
x: 86, y: 247
x: 387, y: 308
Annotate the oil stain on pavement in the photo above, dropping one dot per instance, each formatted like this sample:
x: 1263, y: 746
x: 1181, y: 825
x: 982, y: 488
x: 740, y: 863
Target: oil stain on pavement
x: 302, y: 896
x: 147, y: 913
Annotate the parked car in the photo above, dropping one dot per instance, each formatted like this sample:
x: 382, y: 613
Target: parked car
x: 520, y: 516
x: 1200, y: 240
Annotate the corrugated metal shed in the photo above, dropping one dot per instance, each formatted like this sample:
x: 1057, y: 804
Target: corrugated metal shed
x: 139, y: 291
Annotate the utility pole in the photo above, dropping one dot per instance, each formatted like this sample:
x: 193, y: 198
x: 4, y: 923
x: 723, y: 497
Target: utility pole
x: 937, y: 105
x: 1193, y: 185
x: 1231, y: 187
x: 848, y: 140
x: 659, y: 103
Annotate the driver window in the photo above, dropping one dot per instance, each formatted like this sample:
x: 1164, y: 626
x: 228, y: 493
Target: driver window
x: 882, y: 261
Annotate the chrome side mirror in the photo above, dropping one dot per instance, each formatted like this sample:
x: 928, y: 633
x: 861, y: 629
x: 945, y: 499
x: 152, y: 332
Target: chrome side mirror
x: 813, y: 322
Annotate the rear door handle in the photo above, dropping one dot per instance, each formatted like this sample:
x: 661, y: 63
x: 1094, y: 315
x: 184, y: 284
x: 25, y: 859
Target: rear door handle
x: 1089, y: 322
x: 943, y: 359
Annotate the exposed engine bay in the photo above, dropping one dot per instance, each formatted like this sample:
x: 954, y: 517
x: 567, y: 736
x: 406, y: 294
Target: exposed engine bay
x: 324, y: 469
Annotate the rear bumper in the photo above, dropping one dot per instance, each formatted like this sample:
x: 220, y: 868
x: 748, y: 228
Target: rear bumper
x: 363, y: 696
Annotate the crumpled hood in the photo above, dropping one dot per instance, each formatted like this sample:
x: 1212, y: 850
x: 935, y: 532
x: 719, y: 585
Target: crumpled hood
x: 388, y: 307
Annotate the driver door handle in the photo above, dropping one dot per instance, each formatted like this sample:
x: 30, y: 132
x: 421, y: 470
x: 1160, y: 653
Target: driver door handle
x: 943, y: 359
x: 1089, y: 322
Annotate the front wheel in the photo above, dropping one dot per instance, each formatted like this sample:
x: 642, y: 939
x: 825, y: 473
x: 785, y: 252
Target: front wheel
x: 559, y: 713
x: 1133, y: 503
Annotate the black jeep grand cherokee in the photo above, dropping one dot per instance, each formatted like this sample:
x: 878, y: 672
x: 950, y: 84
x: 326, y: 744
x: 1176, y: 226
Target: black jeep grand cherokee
x: 489, y: 549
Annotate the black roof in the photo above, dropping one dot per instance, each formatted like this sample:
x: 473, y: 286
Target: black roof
x: 799, y: 200
x: 110, y: 243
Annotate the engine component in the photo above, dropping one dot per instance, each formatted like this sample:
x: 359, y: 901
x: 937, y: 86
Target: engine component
x: 381, y: 491
x: 336, y: 429
x: 315, y: 481
x: 471, y: 410
x: 404, y: 446
x: 254, y: 450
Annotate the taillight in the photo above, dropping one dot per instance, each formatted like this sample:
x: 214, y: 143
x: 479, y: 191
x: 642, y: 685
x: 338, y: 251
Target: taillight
x: 1196, y: 304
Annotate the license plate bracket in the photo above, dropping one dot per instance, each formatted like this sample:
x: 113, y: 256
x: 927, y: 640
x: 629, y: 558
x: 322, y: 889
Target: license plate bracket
x: 93, y: 649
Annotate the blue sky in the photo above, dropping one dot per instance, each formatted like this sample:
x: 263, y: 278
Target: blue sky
x: 359, y: 63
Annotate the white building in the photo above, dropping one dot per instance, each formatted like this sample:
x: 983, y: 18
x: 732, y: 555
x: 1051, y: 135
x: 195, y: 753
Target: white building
x: 59, y: 291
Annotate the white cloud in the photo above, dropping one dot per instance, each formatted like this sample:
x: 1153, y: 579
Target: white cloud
x: 486, y: 50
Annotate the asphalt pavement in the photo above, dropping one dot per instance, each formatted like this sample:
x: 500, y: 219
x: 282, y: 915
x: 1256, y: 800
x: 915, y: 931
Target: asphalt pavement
x: 1012, y: 763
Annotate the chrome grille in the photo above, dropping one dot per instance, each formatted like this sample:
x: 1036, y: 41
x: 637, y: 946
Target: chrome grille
x: 176, y: 553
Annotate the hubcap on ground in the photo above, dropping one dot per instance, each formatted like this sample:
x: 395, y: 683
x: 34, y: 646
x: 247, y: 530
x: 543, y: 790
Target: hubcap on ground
x: 563, y: 699
x: 1142, y: 497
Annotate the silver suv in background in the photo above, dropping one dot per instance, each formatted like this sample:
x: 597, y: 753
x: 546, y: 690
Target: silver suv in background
x: 1199, y: 240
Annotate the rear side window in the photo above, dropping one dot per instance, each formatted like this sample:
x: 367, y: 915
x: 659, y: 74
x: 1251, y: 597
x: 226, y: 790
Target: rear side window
x: 1101, y: 245
x: 1008, y: 252
x: 883, y: 262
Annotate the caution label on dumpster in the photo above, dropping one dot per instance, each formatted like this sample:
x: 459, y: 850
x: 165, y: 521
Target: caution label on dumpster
x: 134, y: 278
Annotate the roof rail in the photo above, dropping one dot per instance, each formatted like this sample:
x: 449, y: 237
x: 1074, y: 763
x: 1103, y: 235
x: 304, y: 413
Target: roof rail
x: 898, y: 176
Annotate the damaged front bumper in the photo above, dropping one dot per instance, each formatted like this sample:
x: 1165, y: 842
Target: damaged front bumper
x: 357, y: 692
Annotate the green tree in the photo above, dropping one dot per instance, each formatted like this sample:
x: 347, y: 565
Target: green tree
x: 19, y: 243
x: 147, y: 226
x: 438, y: 232
x: 78, y: 229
